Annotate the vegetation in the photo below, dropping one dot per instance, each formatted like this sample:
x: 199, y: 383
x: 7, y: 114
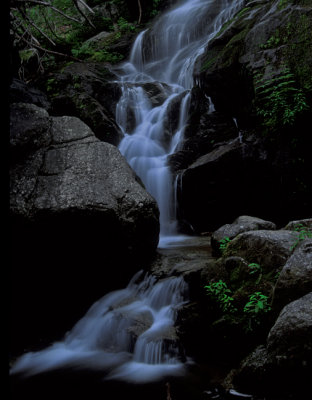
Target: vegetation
x: 304, y: 233
x: 255, y: 269
x: 279, y: 100
x: 257, y: 305
x: 46, y: 31
x: 220, y: 293
x: 249, y: 314
x: 224, y: 243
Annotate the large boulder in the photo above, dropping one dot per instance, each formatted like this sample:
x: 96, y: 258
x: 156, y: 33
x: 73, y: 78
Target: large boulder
x: 258, y: 46
x: 302, y: 224
x: 284, y: 365
x: 295, y: 279
x: 225, y: 183
x: 258, y: 43
x: 90, y: 92
x: 82, y: 223
x: 241, y: 224
x: 20, y: 92
x: 270, y: 249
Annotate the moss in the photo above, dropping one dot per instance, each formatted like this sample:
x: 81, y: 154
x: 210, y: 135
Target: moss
x: 298, y: 34
x: 242, y: 12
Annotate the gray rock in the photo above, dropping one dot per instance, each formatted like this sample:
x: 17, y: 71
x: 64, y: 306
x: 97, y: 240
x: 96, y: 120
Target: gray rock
x: 29, y: 129
x: 81, y: 221
x: 295, y: 279
x: 20, y: 92
x: 291, y: 336
x: 81, y: 174
x: 268, y: 248
x: 241, y: 224
x: 284, y: 365
x: 98, y: 38
x: 301, y: 223
x: 89, y: 92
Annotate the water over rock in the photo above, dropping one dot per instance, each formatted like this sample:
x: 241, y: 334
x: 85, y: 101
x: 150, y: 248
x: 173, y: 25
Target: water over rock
x: 256, y: 46
x: 74, y: 202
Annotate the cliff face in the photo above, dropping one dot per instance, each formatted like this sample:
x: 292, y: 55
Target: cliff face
x: 258, y: 73
x: 265, y: 41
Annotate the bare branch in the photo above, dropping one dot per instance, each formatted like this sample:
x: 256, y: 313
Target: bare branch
x: 45, y: 4
x: 82, y: 13
x: 86, y: 5
x: 37, y: 27
x: 26, y: 31
x: 50, y: 51
x: 140, y: 12
x: 49, y: 26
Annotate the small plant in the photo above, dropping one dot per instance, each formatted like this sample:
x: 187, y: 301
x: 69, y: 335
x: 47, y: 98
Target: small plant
x: 279, y: 102
x: 304, y: 233
x: 221, y: 294
x: 255, y: 269
x: 125, y: 26
x: 223, y: 243
x: 255, y: 308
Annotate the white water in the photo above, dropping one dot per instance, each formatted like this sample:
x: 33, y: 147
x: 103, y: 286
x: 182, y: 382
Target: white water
x: 129, y: 333
x: 165, y: 55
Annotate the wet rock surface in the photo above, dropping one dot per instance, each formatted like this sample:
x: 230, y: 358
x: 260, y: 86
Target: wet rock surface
x: 88, y: 91
x: 74, y: 201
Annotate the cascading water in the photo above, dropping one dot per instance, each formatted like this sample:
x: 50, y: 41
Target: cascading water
x: 163, y: 57
x: 129, y: 334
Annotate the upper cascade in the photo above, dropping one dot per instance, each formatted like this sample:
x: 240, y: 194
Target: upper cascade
x: 167, y: 51
x: 164, y: 56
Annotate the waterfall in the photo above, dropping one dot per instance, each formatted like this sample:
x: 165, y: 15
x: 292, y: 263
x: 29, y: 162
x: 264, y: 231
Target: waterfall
x: 162, y: 60
x: 129, y: 334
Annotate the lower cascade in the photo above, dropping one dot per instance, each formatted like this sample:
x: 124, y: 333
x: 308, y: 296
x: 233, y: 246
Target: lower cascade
x: 128, y: 335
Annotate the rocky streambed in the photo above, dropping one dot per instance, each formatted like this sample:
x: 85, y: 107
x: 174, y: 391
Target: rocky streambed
x: 227, y: 353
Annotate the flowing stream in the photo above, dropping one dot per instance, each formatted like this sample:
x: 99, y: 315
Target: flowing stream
x: 129, y: 334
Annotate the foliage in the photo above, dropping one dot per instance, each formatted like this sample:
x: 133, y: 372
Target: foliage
x: 223, y: 243
x: 221, y: 294
x: 60, y: 28
x: 255, y: 269
x: 257, y: 305
x: 304, y: 233
x: 87, y: 51
x: 125, y: 26
x: 155, y: 8
x: 279, y: 101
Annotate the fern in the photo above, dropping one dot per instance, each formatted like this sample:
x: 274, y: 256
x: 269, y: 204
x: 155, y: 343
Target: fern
x: 278, y: 101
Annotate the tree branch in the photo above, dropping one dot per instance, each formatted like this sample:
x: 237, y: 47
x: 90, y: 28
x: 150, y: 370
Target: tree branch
x: 45, y: 4
x: 82, y: 13
x: 49, y: 51
x: 86, y: 5
x: 140, y: 12
x: 37, y: 27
